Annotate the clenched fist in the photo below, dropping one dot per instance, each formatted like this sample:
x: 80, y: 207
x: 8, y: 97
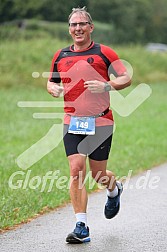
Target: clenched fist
x: 54, y: 89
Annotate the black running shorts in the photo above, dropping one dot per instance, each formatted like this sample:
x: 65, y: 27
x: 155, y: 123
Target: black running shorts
x: 96, y: 147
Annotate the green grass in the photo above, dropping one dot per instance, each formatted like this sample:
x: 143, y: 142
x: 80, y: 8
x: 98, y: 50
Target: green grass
x: 147, y: 67
x: 139, y: 141
x: 20, y: 59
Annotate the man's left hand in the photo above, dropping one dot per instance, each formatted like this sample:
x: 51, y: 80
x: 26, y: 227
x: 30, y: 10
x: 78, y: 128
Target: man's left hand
x: 95, y: 86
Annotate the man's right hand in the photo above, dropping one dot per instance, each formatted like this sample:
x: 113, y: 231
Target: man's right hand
x: 54, y: 89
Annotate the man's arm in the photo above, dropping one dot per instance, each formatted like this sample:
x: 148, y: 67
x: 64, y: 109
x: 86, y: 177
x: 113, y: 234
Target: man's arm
x: 53, y: 84
x: 118, y: 83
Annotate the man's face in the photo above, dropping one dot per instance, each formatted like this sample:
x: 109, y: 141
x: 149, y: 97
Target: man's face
x: 80, y: 29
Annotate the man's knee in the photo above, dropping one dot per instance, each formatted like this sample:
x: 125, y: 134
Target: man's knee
x: 77, y: 171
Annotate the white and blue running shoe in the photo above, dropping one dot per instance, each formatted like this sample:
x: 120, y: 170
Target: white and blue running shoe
x: 79, y: 235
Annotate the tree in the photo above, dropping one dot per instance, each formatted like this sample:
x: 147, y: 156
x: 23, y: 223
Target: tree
x: 131, y: 21
x: 17, y: 9
x: 59, y: 10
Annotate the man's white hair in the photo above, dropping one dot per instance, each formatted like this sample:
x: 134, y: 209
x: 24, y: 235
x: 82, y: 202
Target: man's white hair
x: 82, y: 11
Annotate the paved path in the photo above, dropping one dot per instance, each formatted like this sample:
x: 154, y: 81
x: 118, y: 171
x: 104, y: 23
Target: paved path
x: 141, y: 224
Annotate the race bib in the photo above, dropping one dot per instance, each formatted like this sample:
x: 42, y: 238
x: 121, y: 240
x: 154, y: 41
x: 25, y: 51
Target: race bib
x: 82, y: 125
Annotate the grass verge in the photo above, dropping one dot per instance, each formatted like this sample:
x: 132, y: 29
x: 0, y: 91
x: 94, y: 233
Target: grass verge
x: 139, y: 143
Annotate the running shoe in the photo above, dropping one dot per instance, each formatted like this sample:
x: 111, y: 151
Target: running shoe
x: 79, y: 235
x: 113, y: 204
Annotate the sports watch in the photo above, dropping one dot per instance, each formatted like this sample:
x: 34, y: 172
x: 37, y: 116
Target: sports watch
x: 107, y: 87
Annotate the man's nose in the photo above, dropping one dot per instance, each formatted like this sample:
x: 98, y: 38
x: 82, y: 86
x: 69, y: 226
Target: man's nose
x: 78, y: 26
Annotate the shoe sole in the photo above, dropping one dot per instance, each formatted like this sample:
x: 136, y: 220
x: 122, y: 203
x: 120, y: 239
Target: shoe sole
x: 75, y: 240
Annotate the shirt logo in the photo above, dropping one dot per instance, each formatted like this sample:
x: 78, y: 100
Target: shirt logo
x: 65, y: 54
x: 69, y: 62
x: 90, y: 60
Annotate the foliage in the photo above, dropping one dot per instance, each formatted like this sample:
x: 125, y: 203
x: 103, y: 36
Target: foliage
x: 134, y: 21
x: 137, y: 21
x: 31, y: 28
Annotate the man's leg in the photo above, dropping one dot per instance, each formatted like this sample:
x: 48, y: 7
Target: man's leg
x: 78, y: 195
x: 101, y: 175
x: 77, y: 163
x: 78, y: 192
x: 114, y: 188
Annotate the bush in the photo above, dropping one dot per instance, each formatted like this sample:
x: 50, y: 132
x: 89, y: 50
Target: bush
x: 28, y: 29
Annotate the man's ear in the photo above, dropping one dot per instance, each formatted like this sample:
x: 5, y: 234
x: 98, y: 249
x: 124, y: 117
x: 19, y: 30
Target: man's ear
x: 92, y: 28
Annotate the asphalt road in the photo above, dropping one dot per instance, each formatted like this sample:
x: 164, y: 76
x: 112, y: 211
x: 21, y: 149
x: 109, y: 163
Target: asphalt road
x: 141, y: 224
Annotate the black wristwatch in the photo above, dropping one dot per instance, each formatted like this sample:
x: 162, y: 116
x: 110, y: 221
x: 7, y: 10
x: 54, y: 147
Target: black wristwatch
x: 107, y: 87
